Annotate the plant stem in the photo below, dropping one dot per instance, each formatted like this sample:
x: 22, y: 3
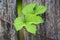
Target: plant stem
x: 19, y: 8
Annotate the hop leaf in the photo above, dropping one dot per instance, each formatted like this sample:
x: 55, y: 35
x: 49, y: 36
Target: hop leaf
x: 40, y: 9
x: 31, y: 28
x: 33, y: 19
x: 18, y: 23
x: 34, y: 9
x: 30, y: 12
x: 28, y: 9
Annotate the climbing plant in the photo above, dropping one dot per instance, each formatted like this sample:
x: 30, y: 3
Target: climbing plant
x: 30, y: 18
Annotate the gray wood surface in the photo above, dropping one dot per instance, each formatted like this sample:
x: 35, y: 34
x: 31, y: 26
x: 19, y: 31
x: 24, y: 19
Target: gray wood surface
x: 45, y: 31
x: 7, y: 11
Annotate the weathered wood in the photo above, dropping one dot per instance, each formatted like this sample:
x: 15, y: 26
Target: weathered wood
x: 50, y: 29
x: 7, y: 11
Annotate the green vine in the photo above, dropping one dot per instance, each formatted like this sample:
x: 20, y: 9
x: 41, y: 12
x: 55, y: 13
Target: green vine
x: 30, y: 18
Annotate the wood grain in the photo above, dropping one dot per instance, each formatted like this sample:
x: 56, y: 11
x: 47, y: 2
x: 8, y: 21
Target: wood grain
x: 50, y: 30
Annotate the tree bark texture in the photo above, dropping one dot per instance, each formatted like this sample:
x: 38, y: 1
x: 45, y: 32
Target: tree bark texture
x: 49, y: 30
x: 7, y: 11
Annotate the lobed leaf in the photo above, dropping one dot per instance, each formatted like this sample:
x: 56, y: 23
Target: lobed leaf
x: 33, y: 19
x: 40, y: 9
x: 31, y: 28
x: 18, y: 23
x: 28, y: 9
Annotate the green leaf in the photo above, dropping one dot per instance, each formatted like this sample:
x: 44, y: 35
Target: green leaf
x: 18, y: 23
x: 28, y: 9
x: 33, y: 19
x: 31, y: 28
x: 40, y: 9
